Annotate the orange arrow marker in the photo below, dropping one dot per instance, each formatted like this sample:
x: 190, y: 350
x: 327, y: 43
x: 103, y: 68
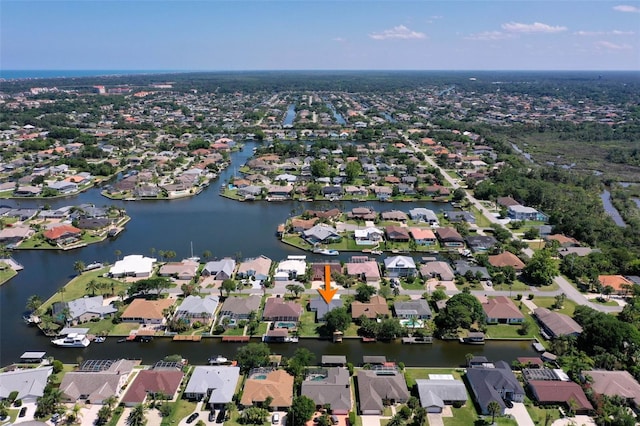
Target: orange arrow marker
x: 327, y: 292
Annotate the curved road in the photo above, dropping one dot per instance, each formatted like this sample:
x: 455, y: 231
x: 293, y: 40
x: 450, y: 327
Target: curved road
x: 565, y: 286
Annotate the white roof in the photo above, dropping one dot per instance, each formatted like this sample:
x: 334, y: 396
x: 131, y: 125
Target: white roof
x: 133, y: 264
x: 292, y: 265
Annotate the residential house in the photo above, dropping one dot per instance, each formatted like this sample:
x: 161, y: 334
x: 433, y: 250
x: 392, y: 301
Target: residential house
x: 462, y: 267
x: 502, y: 310
x: 96, y: 380
x: 368, y: 236
x: 615, y: 383
x: 329, y: 386
x: 437, y: 269
x: 277, y: 309
x: 320, y: 307
x: 134, y: 265
x: 362, y: 213
x: 374, y: 308
x: 555, y: 392
x: 435, y: 394
x: 220, y: 269
x: 480, y: 243
x: 397, y: 233
x: 379, y: 387
x: 321, y: 234
x: 258, y: 268
x: 400, y: 266
x: 185, y: 270
x: 64, y: 187
x: 519, y: 212
x: 363, y: 268
x: 250, y: 191
x: 214, y: 385
x: 423, y: 236
x: 424, y: 215
x: 383, y: 193
x: 619, y: 283
x: 276, y: 384
x: 333, y: 361
x: 146, y: 311
x: 449, y: 237
x: 291, y: 268
x: 318, y: 270
x: 83, y: 309
x: 563, y: 240
x: 496, y: 383
x: 506, y: 258
x: 29, y: 383
x: 15, y: 234
x: 301, y: 225
x: 460, y: 216
x: 395, y: 215
x: 62, y: 234
x: 197, y: 309
x: 148, y: 383
x: 555, y: 324
x: 240, y: 308
x: 578, y: 251
x: 356, y: 191
x: 507, y: 202
x: 413, y: 309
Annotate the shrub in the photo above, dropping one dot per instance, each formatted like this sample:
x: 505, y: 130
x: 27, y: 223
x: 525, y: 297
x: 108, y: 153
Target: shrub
x: 13, y: 395
x: 17, y: 403
x: 519, y: 296
x: 352, y: 418
x: 530, y: 297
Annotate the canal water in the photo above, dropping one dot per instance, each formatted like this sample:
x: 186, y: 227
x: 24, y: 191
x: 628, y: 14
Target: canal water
x: 291, y: 115
x: 610, y: 209
x: 339, y: 118
x: 209, y: 222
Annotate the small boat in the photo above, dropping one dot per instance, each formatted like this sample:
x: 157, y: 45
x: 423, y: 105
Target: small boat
x: 122, y: 340
x: 376, y: 252
x: 99, y: 339
x: 92, y: 266
x: 326, y: 252
x: 72, y: 340
x: 218, y: 360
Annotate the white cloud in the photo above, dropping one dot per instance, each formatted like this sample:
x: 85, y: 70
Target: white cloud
x: 607, y: 45
x: 627, y: 8
x: 601, y: 33
x: 536, y: 27
x: 489, y: 36
x: 399, y: 32
x: 339, y: 39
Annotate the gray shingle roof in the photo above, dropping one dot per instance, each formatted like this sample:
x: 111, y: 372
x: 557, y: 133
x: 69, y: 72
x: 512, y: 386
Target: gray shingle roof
x: 334, y: 389
x: 221, y: 381
x: 444, y: 390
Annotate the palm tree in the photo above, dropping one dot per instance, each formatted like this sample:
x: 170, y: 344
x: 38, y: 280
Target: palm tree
x: 79, y: 266
x: 136, y: 416
x: 33, y: 303
x: 493, y: 408
x: 206, y: 254
x: 92, y: 287
x: 61, y: 290
x: 117, y: 253
x: 111, y: 401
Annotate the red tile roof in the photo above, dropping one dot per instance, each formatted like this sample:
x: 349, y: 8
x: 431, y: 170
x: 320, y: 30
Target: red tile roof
x: 61, y: 231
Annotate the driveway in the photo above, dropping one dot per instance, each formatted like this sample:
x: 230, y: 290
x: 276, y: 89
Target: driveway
x: 577, y: 420
x: 435, y: 419
x: 520, y: 413
x: 372, y: 420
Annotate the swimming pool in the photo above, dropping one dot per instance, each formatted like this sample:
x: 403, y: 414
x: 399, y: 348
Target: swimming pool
x: 285, y: 324
x: 260, y: 377
x: 412, y: 322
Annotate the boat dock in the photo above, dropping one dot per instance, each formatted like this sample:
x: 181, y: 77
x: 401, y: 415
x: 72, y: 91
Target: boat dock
x: 187, y: 338
x: 235, y: 339
x: 416, y: 340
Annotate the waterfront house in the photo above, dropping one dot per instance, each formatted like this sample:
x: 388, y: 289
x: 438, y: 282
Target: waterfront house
x: 496, y: 383
x: 291, y: 268
x: 615, y: 383
x: 397, y: 233
x: 363, y: 268
x: 480, y: 243
x: 184, y: 270
x: 356, y: 191
x: 277, y: 309
x: 276, y: 384
x: 321, y: 234
x: 400, y: 266
x: 362, y: 213
x: 83, y: 309
x: 395, y: 215
x: 250, y: 191
x: 423, y: 236
x: 506, y: 258
x: 279, y: 192
x: 333, y: 361
x: 197, y: 309
x: 368, y: 236
x: 240, y: 308
x: 15, y: 234
x: 96, y: 380
x: 62, y: 234
x: 555, y: 324
x: 146, y: 311
x: 152, y: 383
x: 320, y: 307
x: 214, y: 385
x: 555, y: 392
x: 437, y: 269
x: 220, y: 269
x: 64, y: 187
x: 317, y: 270
x: 329, y: 386
x: 421, y: 214
x: 444, y: 390
x: 383, y: 193
x: 29, y: 383
x: 374, y: 308
x: 502, y: 310
x: 449, y: 237
x: 379, y: 387
x: 301, y: 225
x: 134, y: 265
x: 413, y: 309
x: 258, y: 268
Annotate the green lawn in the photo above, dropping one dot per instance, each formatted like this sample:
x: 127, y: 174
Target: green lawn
x: 542, y: 416
x: 308, y: 326
x: 604, y: 303
x: 516, y: 286
x: 507, y: 331
x: 413, y: 284
x: 481, y: 220
x: 411, y: 374
x: 180, y: 410
x: 546, y: 302
x: 6, y: 273
x: 463, y: 416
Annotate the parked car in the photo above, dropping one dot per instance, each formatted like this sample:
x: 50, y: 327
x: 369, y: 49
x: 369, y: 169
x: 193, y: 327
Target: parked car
x: 23, y: 412
x: 212, y: 415
x: 221, y: 415
x: 192, y: 417
x: 508, y: 403
x: 275, y: 419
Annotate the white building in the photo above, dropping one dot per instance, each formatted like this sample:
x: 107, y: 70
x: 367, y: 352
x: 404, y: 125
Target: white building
x: 293, y: 267
x: 134, y: 265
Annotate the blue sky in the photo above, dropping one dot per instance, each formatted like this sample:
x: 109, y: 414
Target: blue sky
x: 330, y: 34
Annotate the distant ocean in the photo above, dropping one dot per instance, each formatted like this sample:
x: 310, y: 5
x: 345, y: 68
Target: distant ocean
x: 22, y: 74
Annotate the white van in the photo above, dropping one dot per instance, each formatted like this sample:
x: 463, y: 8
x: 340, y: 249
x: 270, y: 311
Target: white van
x: 275, y: 419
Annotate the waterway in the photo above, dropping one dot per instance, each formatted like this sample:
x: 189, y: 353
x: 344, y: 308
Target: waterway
x: 209, y: 222
x: 610, y: 209
x: 291, y: 115
x: 339, y: 118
